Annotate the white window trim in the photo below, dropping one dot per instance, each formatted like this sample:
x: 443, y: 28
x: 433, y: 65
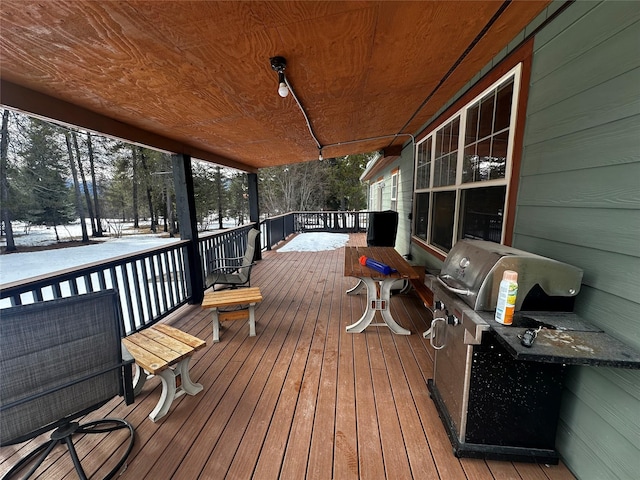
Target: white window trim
x: 395, y: 183
x: 516, y: 73
x: 379, y: 194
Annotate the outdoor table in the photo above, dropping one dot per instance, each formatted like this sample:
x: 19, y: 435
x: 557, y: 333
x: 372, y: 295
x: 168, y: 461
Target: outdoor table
x: 377, y: 284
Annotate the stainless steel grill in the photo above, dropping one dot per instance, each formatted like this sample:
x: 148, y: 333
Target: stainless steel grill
x: 473, y: 270
x: 497, y: 398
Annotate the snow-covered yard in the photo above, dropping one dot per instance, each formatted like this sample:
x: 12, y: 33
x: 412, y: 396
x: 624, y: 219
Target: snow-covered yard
x: 23, y: 265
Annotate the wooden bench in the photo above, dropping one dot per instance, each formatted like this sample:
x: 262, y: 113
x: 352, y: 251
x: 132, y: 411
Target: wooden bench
x: 424, y: 292
x: 163, y: 351
x: 232, y: 298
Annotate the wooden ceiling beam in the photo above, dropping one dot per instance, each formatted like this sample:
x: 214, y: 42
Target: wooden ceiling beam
x: 46, y: 107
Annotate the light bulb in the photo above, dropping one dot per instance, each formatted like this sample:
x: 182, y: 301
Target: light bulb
x: 283, y: 91
x: 320, y: 157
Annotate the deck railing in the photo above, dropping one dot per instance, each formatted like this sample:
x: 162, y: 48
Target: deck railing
x: 277, y: 229
x: 152, y: 283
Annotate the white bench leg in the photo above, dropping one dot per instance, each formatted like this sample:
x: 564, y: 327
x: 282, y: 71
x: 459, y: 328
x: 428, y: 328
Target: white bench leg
x: 168, y: 379
x: 169, y: 390
x: 252, y: 320
x: 139, y: 379
x: 187, y: 385
x: 216, y: 326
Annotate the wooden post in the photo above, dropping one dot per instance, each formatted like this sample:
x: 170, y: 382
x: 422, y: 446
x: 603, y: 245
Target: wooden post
x: 254, y: 210
x: 186, y: 207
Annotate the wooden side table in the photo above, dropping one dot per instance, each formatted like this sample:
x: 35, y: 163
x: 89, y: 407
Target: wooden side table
x: 164, y: 351
x: 229, y: 298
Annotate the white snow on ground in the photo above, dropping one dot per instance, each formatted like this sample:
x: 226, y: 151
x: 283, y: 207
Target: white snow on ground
x: 20, y: 266
x: 315, y: 242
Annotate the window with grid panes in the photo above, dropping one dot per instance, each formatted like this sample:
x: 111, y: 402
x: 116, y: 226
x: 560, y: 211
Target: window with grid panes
x: 462, y: 167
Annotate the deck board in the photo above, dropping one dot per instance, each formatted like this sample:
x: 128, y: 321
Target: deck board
x: 301, y: 399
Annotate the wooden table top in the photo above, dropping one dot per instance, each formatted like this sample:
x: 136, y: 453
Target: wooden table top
x: 386, y: 255
x: 234, y: 296
x: 157, y: 347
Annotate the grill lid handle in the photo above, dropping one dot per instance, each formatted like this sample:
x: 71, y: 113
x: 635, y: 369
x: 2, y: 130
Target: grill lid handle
x: 459, y: 291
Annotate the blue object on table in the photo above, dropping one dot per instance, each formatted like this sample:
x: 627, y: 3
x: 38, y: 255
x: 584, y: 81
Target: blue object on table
x: 376, y: 265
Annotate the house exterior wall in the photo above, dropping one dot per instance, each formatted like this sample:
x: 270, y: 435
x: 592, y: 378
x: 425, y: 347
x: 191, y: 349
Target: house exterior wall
x: 404, y: 164
x: 578, y: 201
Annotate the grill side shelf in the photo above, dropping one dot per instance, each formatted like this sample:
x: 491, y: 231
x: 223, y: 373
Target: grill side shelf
x: 573, y: 341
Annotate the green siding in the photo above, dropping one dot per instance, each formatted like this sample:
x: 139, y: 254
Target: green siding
x: 405, y: 199
x: 579, y: 202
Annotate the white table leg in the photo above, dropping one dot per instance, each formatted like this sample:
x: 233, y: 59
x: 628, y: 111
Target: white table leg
x: 385, y: 295
x: 355, y: 290
x: 370, y: 310
x: 375, y: 303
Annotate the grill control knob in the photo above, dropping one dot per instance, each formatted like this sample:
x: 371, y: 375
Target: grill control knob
x: 464, y: 263
x: 439, y: 305
x: 452, y: 320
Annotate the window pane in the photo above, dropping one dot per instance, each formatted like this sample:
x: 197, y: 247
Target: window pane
x: 485, y: 126
x: 455, y: 134
x: 444, y: 204
x: 394, y: 186
x: 422, y: 215
x: 423, y: 170
x: 470, y: 164
x: 499, y: 155
x: 503, y: 106
x: 484, y: 160
x: 471, y: 135
x: 439, y: 140
x: 452, y: 167
x: 437, y: 167
x: 481, y: 213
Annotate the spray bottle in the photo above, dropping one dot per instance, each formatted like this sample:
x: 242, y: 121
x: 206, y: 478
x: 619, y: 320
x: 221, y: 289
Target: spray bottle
x: 507, y: 297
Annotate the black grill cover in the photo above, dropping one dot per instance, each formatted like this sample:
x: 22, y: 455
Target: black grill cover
x: 382, y: 230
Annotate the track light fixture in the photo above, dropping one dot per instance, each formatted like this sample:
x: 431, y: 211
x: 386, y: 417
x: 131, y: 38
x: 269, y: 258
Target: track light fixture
x: 278, y: 64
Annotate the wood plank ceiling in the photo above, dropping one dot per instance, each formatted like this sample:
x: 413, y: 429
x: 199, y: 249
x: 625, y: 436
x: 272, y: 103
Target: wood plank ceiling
x: 194, y: 76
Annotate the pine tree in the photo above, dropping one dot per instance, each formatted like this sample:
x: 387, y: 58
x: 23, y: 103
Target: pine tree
x: 44, y: 174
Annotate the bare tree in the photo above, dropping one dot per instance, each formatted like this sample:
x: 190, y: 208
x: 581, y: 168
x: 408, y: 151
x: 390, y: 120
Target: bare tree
x: 85, y: 187
x: 94, y: 184
x: 76, y: 188
x: 145, y: 168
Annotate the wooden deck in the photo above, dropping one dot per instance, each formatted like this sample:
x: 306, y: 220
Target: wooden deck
x: 303, y: 398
